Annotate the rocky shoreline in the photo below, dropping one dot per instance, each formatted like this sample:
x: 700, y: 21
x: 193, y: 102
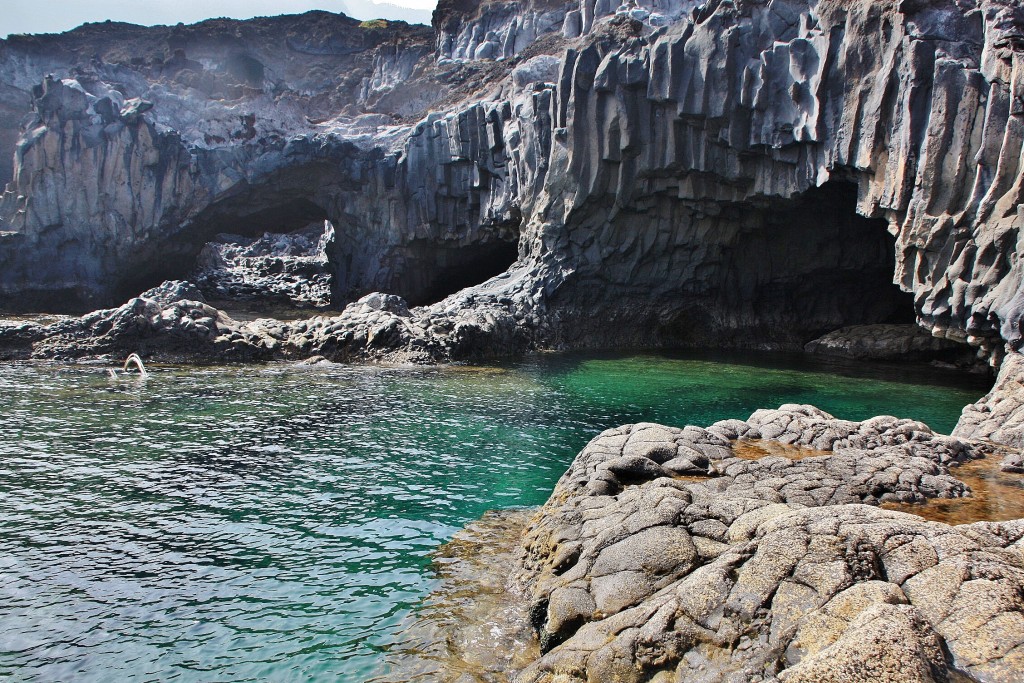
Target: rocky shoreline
x: 764, y: 549
x: 175, y: 323
x: 663, y: 556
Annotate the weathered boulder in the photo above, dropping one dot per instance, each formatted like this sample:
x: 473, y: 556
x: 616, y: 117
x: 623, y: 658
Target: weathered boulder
x: 173, y: 291
x: 999, y: 416
x: 884, y: 342
x: 773, y: 569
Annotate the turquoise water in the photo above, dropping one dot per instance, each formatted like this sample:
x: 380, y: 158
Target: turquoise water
x: 275, y: 522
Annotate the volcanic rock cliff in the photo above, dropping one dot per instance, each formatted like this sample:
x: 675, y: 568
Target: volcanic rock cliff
x: 538, y: 173
x: 747, y: 173
x: 727, y: 171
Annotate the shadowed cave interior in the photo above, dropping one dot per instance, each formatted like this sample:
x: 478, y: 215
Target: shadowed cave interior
x: 815, y: 264
x: 764, y: 274
x: 356, y: 259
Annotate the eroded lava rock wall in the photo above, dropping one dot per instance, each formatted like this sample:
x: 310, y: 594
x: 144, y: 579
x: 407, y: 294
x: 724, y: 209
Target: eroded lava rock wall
x: 641, y: 156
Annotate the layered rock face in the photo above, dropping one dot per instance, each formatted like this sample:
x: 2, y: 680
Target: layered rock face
x: 670, y: 173
x: 775, y: 569
x: 174, y: 135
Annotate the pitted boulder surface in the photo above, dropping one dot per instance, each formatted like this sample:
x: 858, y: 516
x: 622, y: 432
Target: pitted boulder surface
x: 775, y: 569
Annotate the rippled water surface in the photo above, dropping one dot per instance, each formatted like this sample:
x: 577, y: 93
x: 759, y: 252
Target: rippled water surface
x: 275, y: 522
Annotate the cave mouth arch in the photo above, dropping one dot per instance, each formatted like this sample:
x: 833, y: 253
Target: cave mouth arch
x: 175, y: 257
x: 760, y: 273
x: 364, y: 255
x: 812, y: 265
x: 435, y: 271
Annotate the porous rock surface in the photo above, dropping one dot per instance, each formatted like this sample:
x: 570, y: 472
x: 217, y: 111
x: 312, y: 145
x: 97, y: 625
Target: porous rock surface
x: 662, y: 172
x: 777, y: 569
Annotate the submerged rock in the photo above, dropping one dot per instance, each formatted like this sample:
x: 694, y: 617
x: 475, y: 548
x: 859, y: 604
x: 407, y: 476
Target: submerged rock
x: 776, y: 569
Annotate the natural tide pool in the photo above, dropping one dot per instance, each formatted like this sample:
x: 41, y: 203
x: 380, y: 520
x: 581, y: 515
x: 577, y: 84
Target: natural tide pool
x: 275, y: 523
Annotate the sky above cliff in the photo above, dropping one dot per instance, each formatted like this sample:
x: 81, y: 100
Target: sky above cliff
x: 32, y: 16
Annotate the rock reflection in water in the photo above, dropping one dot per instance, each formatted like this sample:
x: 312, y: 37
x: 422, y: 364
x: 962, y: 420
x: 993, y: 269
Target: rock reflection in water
x: 473, y: 627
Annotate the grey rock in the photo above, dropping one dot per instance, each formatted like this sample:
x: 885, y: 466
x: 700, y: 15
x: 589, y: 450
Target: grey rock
x: 173, y: 291
x: 275, y: 268
x: 773, y: 569
x: 998, y: 416
x: 133, y: 110
x: 883, y: 342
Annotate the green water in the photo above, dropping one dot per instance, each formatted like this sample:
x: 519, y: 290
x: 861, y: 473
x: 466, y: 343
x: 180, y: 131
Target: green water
x: 275, y: 522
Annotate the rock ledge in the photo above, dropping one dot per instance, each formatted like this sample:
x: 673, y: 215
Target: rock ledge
x: 778, y: 569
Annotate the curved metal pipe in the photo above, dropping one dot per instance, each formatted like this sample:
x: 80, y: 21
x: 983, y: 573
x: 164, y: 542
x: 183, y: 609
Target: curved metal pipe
x: 137, y: 362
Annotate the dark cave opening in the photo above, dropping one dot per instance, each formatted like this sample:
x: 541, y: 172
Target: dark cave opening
x: 243, y: 216
x: 421, y: 271
x: 438, y: 271
x: 229, y: 251
x: 756, y: 274
x: 814, y: 265
x: 283, y: 217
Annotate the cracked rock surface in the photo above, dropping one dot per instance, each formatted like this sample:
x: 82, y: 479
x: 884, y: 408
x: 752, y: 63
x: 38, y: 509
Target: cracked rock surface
x: 775, y: 569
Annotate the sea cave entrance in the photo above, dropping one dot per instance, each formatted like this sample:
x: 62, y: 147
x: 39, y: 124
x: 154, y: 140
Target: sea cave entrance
x: 762, y: 273
x: 245, y: 248
x: 812, y: 264
x: 435, y: 271
x: 277, y: 269
x: 272, y: 249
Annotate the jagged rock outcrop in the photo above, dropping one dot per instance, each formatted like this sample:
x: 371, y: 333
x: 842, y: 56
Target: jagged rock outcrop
x: 173, y: 323
x: 275, y: 268
x: 772, y: 569
x: 468, y: 30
